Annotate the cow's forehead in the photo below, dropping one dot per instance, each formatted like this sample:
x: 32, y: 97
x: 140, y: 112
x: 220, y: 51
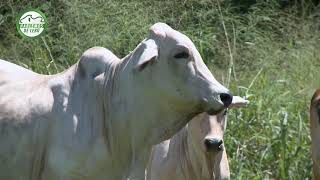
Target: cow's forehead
x: 209, y: 120
x: 163, y: 31
x: 180, y: 38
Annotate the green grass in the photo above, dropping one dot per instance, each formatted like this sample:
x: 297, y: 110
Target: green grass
x: 275, y: 51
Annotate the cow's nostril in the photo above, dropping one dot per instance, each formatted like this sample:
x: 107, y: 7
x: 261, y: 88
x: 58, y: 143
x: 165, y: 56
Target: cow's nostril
x: 226, y: 98
x: 213, y: 144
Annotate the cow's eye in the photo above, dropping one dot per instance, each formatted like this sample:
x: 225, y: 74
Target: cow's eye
x: 182, y: 55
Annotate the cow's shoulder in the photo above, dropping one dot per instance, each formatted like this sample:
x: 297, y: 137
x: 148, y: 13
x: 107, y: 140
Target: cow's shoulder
x: 94, y: 61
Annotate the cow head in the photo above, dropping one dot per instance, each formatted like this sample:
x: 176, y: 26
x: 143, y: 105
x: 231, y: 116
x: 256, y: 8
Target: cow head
x: 207, y: 131
x: 205, y: 135
x: 172, y: 69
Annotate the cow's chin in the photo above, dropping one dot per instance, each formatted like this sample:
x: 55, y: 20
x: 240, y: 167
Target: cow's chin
x: 214, y: 111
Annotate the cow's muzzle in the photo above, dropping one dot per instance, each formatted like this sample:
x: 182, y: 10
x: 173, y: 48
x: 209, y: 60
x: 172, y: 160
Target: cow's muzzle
x: 226, y: 99
x: 213, y: 144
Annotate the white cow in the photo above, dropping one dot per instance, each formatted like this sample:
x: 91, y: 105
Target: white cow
x: 196, y: 152
x: 100, y: 118
x: 315, y: 133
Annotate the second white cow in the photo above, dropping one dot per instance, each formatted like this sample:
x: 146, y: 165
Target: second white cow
x: 196, y: 152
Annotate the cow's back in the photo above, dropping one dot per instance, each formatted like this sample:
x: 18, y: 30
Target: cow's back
x: 23, y: 94
x: 10, y: 72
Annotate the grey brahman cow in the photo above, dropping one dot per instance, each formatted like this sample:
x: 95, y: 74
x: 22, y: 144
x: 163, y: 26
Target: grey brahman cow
x: 100, y: 118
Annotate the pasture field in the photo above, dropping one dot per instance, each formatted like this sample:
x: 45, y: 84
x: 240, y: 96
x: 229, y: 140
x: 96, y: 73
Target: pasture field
x: 265, y: 50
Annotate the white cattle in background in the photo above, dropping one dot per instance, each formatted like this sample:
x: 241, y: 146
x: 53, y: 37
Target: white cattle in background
x: 196, y: 152
x: 315, y: 133
x: 100, y: 118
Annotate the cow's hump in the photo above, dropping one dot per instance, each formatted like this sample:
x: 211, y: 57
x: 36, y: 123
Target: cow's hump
x: 94, y: 61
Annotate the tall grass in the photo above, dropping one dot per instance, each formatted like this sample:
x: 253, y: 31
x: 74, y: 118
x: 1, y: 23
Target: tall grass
x: 266, y: 50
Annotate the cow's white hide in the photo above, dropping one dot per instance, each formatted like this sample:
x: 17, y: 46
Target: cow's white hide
x: 100, y: 118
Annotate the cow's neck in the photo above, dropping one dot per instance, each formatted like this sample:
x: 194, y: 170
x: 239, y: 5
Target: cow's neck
x: 134, y: 119
x: 77, y: 121
x: 147, y: 117
x: 126, y: 148
x: 85, y: 105
x: 201, y: 162
x: 180, y: 149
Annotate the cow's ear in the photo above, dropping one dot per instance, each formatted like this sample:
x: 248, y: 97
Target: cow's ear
x: 158, y: 30
x: 149, y: 54
x: 238, y: 102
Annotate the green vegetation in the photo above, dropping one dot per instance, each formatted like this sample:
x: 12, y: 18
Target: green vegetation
x: 270, y: 51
